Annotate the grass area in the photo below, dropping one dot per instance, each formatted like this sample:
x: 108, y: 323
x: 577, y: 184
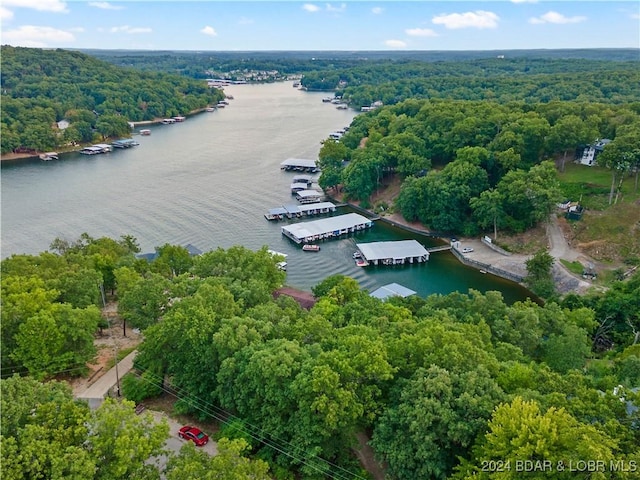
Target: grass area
x: 607, y: 233
x: 573, y: 267
x: 591, y: 186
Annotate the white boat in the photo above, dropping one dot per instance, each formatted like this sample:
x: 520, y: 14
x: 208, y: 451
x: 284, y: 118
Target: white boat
x: 311, y: 248
x: 145, y: 131
x: 47, y: 156
x: 168, y: 121
x: 211, y: 109
x: 179, y: 118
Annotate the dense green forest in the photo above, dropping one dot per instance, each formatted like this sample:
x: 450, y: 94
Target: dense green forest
x: 293, y: 62
x: 450, y: 386
x: 469, y: 165
x: 42, y: 87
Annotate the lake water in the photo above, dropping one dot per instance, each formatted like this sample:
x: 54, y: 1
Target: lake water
x: 209, y: 181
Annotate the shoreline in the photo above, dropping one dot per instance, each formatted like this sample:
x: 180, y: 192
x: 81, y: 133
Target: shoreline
x: 485, y: 259
x: 12, y: 157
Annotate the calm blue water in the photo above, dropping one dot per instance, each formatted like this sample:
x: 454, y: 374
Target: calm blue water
x: 208, y: 181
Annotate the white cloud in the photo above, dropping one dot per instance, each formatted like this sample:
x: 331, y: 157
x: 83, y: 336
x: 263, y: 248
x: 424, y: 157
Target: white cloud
x: 209, y: 31
x: 128, y: 29
x: 420, y: 32
x: 635, y: 16
x: 40, y: 5
x: 310, y: 7
x: 395, y: 44
x: 555, y: 17
x: 105, y: 6
x: 477, y: 19
x: 36, y: 37
x: 341, y: 8
x: 377, y: 10
x: 5, y: 14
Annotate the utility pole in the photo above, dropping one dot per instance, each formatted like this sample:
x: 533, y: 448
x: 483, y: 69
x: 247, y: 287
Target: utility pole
x: 115, y: 345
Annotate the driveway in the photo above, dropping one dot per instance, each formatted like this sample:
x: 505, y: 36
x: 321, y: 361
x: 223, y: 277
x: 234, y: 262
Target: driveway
x: 175, y: 443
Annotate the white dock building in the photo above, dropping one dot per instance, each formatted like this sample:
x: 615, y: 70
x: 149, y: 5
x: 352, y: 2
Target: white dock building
x: 305, y: 232
x: 393, y: 253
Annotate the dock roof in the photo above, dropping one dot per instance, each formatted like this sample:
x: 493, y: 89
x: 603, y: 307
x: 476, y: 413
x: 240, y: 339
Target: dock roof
x: 325, y: 225
x: 316, y: 206
x: 309, y: 193
x: 302, y: 178
x: 298, y: 162
x: 396, y: 250
x: 392, y: 290
x: 278, y: 211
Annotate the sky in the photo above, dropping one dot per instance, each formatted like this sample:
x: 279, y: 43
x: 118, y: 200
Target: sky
x: 212, y: 25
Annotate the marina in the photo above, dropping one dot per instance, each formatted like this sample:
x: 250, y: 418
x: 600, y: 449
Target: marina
x: 393, y: 253
x: 163, y: 192
x: 327, y: 228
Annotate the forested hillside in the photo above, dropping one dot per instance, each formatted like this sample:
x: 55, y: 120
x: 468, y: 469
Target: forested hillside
x: 451, y: 386
x: 42, y: 87
x: 468, y: 165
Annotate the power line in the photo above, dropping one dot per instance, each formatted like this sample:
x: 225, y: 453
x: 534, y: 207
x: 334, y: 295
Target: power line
x: 257, y: 433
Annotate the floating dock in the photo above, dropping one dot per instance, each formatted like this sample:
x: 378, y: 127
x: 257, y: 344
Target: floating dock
x: 393, y: 253
x: 124, y: 143
x: 96, y: 149
x: 299, y: 165
x: 308, y: 196
x: 298, y: 211
x: 326, y: 228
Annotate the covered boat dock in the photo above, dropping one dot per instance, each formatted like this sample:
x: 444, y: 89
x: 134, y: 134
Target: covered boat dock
x: 297, y: 211
x: 309, y: 196
x: 393, y: 253
x: 124, y: 143
x: 392, y: 290
x: 326, y: 228
x: 299, y: 165
x: 96, y: 149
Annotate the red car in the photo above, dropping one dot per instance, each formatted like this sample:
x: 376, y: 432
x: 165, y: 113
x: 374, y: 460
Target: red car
x: 194, y: 434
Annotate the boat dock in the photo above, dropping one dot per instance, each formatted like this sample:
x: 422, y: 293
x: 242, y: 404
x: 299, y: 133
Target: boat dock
x: 298, y: 211
x: 309, y: 196
x: 301, y: 182
x: 393, y: 253
x: 124, y: 143
x: 392, y: 290
x: 441, y: 248
x: 326, y: 228
x: 96, y: 149
x: 299, y: 165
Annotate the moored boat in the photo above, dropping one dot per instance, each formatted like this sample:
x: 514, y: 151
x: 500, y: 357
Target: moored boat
x: 311, y: 248
x: 361, y: 262
x: 145, y: 131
